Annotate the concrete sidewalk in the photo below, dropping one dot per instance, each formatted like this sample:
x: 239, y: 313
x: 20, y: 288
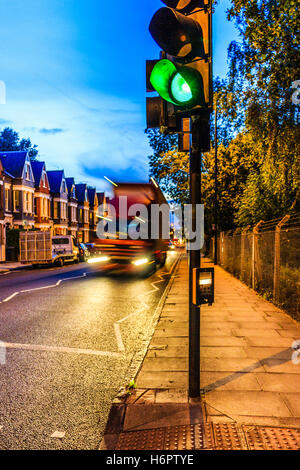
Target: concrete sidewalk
x: 250, y: 386
x: 13, y: 266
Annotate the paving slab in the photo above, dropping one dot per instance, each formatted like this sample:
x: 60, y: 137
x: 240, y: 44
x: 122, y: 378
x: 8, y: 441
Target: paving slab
x: 162, y: 380
x: 293, y: 402
x: 263, y: 333
x: 223, y: 341
x: 165, y: 364
x: 249, y: 403
x: 223, y: 381
x: 268, y: 342
x: 231, y: 365
x: 222, y: 352
x: 289, y: 383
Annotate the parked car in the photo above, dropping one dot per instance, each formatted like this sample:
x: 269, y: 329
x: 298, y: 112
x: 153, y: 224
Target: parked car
x: 84, y: 253
x: 93, y: 248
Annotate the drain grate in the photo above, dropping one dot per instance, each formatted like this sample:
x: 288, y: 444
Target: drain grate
x: 272, y: 438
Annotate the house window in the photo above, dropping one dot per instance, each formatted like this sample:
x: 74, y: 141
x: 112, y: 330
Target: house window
x: 27, y: 171
x: 81, y: 215
x: 64, y: 210
x: 45, y: 204
x: 35, y: 205
x: 55, y: 210
x: 44, y: 179
x: 16, y: 200
x: 6, y: 199
x: 86, y: 215
x: 26, y: 202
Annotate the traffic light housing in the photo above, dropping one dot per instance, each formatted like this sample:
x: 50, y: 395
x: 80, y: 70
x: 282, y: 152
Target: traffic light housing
x: 183, y: 77
x: 180, y: 85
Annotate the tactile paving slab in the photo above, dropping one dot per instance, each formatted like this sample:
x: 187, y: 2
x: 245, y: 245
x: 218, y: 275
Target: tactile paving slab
x: 272, y: 438
x: 227, y: 437
x: 214, y: 436
x: 189, y: 437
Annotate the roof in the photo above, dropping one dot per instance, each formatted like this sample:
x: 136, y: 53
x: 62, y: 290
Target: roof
x: 55, y: 178
x: 80, y: 191
x: 13, y: 162
x: 37, y: 168
x: 70, y: 182
x: 91, y: 195
x: 100, y: 197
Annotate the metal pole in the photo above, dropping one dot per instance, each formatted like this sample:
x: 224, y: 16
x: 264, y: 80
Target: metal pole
x: 194, y: 262
x: 216, y: 190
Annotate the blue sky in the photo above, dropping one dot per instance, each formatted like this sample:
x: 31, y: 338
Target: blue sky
x: 75, y: 81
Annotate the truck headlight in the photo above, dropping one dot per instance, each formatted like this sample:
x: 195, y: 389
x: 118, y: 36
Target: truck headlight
x: 139, y: 262
x: 98, y: 260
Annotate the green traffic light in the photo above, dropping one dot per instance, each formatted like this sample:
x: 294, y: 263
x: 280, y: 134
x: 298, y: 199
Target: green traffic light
x: 180, y: 89
x: 180, y: 85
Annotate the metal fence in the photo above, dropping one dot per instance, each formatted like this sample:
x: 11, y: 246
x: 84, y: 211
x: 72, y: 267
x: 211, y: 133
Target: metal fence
x: 267, y: 258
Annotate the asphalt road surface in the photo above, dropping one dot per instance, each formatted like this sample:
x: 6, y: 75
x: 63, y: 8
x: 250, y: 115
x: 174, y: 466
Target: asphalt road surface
x: 68, y: 338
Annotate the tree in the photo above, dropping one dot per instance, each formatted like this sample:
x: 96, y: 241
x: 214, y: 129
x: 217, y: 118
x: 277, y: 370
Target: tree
x: 10, y: 141
x: 169, y: 167
x: 255, y: 100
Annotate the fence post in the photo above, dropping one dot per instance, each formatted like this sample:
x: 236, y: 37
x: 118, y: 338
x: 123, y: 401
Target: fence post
x: 245, y: 229
x: 221, y: 247
x: 276, y: 281
x: 254, y: 254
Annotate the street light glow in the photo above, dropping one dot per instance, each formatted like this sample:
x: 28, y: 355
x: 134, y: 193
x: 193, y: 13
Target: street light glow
x: 115, y: 184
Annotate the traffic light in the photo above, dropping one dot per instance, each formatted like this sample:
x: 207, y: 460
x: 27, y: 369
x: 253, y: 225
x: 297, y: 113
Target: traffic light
x: 180, y: 85
x: 183, y: 77
x: 160, y: 113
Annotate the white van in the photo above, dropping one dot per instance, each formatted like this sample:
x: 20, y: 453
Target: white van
x: 64, y: 249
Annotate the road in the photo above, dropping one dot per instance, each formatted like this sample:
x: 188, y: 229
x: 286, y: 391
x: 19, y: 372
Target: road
x: 69, y: 338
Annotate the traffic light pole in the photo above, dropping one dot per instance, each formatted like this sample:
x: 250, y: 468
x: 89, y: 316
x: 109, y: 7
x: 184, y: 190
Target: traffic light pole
x: 194, y: 262
x: 216, y: 191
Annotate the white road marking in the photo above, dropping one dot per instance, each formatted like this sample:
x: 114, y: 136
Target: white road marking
x: 120, y: 343
x: 144, y: 305
x: 63, y: 349
x: 44, y: 287
x: 58, y: 434
x: 10, y: 297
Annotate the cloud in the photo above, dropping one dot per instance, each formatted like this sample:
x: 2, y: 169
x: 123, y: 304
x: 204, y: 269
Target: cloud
x: 5, y: 121
x: 110, y: 141
x: 55, y: 130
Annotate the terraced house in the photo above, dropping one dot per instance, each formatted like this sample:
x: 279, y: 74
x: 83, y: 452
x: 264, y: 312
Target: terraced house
x: 93, y: 207
x: 83, y: 212
x: 32, y: 197
x: 19, y: 189
x: 72, y: 208
x: 42, y: 198
x: 59, y: 201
